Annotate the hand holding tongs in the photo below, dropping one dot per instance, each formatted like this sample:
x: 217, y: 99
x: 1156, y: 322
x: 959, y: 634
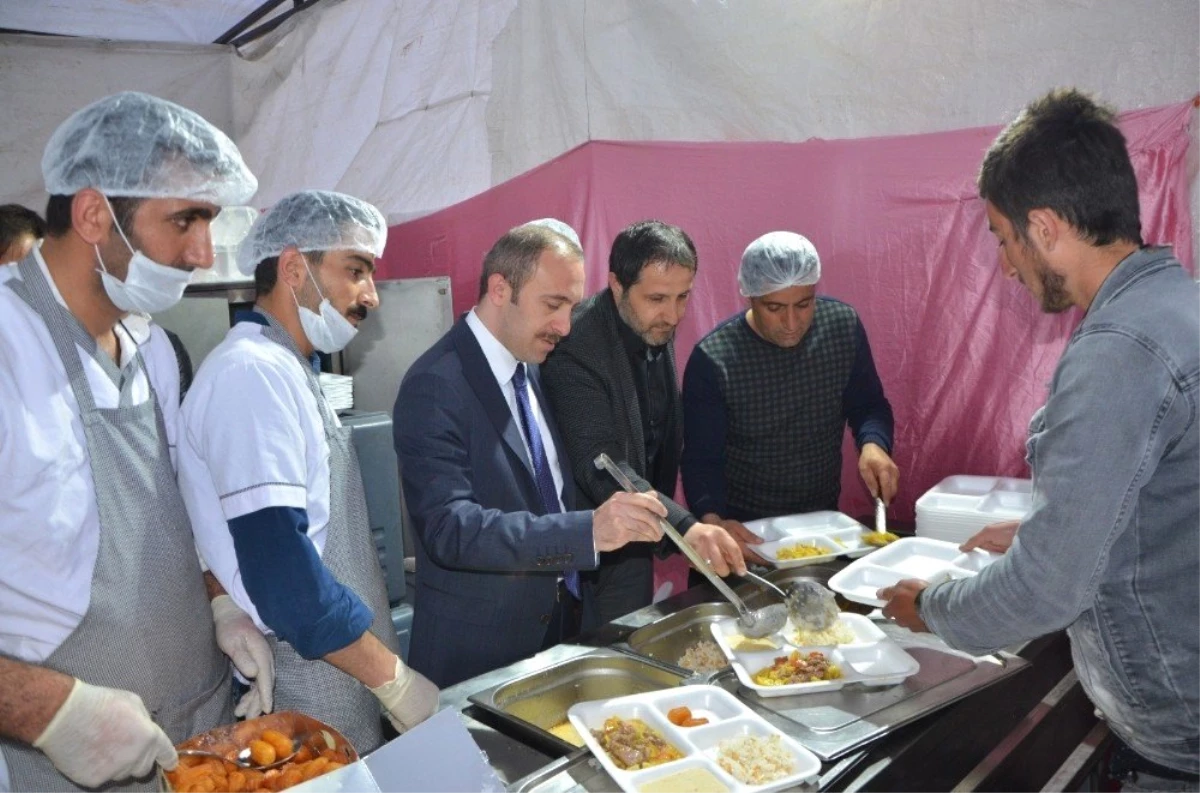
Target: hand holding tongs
x: 754, y: 624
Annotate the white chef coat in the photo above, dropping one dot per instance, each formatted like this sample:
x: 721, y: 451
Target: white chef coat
x: 49, y: 519
x: 250, y: 437
x: 504, y: 365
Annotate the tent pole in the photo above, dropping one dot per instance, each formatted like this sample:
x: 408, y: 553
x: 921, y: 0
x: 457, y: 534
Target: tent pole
x: 255, y: 15
x: 272, y: 23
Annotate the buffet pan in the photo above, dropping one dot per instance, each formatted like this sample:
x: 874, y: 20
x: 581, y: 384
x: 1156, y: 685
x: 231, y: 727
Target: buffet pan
x: 535, y: 704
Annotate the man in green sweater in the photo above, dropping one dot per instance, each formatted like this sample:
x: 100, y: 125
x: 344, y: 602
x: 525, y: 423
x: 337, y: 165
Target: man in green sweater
x: 767, y: 395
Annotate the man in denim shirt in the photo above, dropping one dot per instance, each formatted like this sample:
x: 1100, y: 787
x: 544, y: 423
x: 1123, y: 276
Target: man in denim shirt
x: 1110, y: 550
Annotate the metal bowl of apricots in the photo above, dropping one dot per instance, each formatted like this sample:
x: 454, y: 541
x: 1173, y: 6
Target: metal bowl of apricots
x: 316, y: 749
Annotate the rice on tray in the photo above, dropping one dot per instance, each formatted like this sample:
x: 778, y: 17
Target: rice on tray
x: 703, y: 656
x: 837, y: 633
x: 755, y: 760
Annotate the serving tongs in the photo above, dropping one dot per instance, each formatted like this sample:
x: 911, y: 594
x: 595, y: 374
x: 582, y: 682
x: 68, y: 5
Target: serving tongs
x: 754, y: 623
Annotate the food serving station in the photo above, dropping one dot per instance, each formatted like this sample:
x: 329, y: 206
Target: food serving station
x: 1014, y: 720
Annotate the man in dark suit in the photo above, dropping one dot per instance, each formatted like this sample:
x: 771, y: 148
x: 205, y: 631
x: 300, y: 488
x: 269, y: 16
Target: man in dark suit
x: 486, y: 477
x: 613, y: 388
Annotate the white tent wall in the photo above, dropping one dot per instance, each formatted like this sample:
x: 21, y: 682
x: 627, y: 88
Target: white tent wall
x: 380, y: 99
x: 418, y: 105
x: 43, y: 80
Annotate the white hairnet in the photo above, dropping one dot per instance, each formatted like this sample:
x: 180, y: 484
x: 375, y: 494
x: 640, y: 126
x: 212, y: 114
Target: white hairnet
x: 554, y: 224
x: 136, y: 145
x: 313, y: 220
x: 778, y: 260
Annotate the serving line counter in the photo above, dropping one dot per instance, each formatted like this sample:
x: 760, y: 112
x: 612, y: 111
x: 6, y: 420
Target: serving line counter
x: 1012, y: 721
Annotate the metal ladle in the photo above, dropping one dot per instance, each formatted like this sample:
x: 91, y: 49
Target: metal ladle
x: 811, y: 606
x: 755, y: 623
x: 765, y: 584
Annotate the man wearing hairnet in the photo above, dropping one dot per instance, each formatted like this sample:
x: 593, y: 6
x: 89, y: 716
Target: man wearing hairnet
x: 768, y: 393
x: 272, y: 482
x: 107, y: 651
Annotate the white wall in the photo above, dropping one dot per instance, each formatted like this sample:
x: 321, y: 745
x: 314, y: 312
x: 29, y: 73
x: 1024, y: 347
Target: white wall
x: 43, y: 80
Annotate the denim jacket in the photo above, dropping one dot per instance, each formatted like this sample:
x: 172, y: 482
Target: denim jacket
x: 1111, y: 549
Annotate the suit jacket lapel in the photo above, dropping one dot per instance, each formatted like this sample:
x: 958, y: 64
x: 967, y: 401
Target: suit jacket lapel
x: 479, y: 376
x: 620, y: 364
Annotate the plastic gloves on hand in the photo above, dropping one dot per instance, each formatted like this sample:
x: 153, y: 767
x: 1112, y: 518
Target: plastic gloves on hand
x: 104, y: 734
x: 409, y: 699
x: 240, y: 639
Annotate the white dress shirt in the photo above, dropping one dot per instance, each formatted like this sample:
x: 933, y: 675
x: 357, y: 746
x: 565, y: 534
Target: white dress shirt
x: 49, y: 519
x: 250, y: 437
x: 504, y: 366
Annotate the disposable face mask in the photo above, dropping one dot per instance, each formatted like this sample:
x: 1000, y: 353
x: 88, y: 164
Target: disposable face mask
x: 149, y: 287
x: 328, y: 331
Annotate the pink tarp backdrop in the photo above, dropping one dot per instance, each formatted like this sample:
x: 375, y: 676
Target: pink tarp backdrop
x: 964, y: 354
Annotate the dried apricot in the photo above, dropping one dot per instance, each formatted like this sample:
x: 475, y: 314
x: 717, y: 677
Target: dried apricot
x: 679, y: 715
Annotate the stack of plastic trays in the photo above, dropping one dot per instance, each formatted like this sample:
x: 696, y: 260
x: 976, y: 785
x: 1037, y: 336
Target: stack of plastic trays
x: 959, y: 506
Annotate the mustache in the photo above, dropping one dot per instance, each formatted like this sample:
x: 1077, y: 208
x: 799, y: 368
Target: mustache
x: 359, y: 312
x: 553, y: 338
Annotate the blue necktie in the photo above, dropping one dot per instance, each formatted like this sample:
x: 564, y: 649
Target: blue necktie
x: 541, y: 466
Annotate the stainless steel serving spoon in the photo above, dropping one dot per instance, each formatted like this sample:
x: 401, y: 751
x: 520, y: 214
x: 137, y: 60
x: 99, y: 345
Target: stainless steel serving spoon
x: 242, y: 758
x: 755, y: 623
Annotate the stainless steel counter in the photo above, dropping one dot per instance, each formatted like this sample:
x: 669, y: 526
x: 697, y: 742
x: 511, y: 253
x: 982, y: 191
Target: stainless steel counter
x: 985, y: 740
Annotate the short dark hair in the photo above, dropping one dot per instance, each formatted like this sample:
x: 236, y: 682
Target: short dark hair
x: 1064, y: 153
x: 515, y: 255
x: 17, y: 221
x: 58, y: 213
x: 266, y: 274
x: 649, y: 242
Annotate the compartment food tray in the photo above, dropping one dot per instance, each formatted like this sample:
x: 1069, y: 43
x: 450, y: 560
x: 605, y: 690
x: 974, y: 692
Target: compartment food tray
x: 728, y: 718
x: 842, y: 536
x: 930, y: 560
x: 872, y: 659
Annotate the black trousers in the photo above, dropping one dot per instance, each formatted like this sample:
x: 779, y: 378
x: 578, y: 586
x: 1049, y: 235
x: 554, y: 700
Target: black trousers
x: 565, y: 619
x: 1124, y: 764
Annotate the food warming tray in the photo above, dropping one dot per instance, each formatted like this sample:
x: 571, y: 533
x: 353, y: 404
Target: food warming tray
x: 532, y: 704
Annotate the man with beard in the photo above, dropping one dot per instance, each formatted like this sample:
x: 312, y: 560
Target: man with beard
x: 272, y: 482
x: 768, y: 393
x: 1110, y: 551
x: 613, y: 387
x: 486, y: 477
x: 107, y: 651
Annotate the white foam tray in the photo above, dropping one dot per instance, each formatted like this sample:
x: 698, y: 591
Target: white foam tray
x: 959, y: 506
x: 930, y: 560
x: 872, y: 659
x: 844, y: 535
x: 727, y: 718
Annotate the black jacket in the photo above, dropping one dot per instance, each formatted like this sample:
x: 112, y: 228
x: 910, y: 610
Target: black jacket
x: 589, y: 382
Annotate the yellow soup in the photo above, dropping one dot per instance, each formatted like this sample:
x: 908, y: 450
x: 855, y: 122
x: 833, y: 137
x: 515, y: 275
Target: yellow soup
x: 693, y: 780
x: 566, y: 731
